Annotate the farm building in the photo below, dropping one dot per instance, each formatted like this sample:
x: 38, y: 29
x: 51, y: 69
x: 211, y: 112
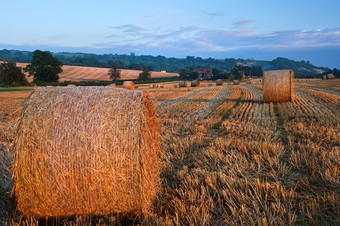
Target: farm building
x: 205, y: 73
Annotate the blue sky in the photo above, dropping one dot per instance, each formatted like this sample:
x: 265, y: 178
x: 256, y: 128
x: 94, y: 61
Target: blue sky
x: 262, y: 30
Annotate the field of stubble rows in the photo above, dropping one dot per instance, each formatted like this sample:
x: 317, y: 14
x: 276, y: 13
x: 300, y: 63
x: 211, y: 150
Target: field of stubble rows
x: 229, y: 158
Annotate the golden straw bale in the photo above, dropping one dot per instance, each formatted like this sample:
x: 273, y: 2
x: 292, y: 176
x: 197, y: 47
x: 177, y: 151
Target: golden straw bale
x: 236, y: 82
x: 161, y: 86
x: 183, y: 84
x: 278, y: 86
x: 175, y: 85
x: 155, y: 86
x: 324, y: 77
x: 330, y: 76
x: 219, y: 82
x: 210, y: 84
x: 129, y: 85
x: 86, y: 151
x: 195, y: 83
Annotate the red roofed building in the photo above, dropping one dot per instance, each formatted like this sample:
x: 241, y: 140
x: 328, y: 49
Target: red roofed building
x: 206, y: 73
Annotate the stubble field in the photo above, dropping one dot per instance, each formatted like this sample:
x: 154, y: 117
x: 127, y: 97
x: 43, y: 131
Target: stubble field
x: 228, y: 158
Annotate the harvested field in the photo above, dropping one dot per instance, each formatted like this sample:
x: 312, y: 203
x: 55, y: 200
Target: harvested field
x: 228, y: 158
x: 79, y: 73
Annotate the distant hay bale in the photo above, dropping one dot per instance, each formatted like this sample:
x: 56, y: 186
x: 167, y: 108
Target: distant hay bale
x: 330, y: 76
x: 248, y: 82
x: 183, y: 84
x: 210, y: 84
x: 150, y: 86
x: 175, y: 86
x: 136, y: 87
x: 161, y: 86
x: 236, y: 82
x: 324, y: 77
x: 129, y: 85
x: 278, y: 86
x: 219, y: 82
x: 155, y: 86
x: 96, y: 157
x: 195, y: 83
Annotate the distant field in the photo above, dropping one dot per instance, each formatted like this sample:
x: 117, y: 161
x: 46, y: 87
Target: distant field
x: 79, y: 73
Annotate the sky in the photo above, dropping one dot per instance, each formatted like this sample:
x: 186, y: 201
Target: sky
x: 262, y: 30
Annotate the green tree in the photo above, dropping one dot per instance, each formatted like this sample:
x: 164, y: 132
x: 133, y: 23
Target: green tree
x: 114, y: 72
x: 194, y: 75
x: 235, y: 73
x: 44, y: 67
x: 145, y: 75
x: 184, y: 74
x: 10, y: 74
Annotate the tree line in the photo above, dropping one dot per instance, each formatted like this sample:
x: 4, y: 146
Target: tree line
x: 171, y: 64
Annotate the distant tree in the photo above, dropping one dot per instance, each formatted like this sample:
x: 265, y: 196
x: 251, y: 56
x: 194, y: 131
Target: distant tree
x: 235, y: 73
x: 336, y: 72
x: 215, y: 72
x: 184, y: 74
x: 195, y: 75
x: 114, y: 71
x: 44, y: 67
x: 10, y: 74
x: 145, y: 75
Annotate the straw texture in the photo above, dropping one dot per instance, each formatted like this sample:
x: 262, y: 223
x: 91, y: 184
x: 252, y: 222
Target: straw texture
x: 183, y: 84
x: 86, y: 150
x: 330, y: 76
x: 129, y: 85
x: 278, y: 86
x: 195, y: 83
x: 219, y: 82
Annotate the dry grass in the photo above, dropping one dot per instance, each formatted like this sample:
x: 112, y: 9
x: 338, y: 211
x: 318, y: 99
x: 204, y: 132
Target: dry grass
x: 231, y: 159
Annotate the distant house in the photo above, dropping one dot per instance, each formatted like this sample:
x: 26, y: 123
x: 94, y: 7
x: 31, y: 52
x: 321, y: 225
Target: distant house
x: 242, y: 74
x: 205, y: 73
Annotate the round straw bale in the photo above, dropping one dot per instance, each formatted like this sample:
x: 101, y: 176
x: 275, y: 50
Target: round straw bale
x: 195, y: 83
x: 324, y: 77
x: 248, y: 82
x: 175, y: 86
x: 210, y: 84
x: 155, y: 86
x: 86, y: 151
x: 278, y: 86
x: 150, y: 86
x: 236, y: 82
x: 129, y: 85
x: 219, y: 82
x: 330, y: 76
x: 183, y: 84
x: 161, y: 86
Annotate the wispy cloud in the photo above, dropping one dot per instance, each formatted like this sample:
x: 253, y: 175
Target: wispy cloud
x: 240, y: 37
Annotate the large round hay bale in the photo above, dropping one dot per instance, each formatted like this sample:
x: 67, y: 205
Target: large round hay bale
x: 86, y: 151
x: 236, y: 82
x: 183, y: 84
x: 219, y: 82
x: 324, y: 77
x: 330, y: 76
x: 129, y: 85
x: 278, y: 86
x: 155, y: 86
x: 195, y: 83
